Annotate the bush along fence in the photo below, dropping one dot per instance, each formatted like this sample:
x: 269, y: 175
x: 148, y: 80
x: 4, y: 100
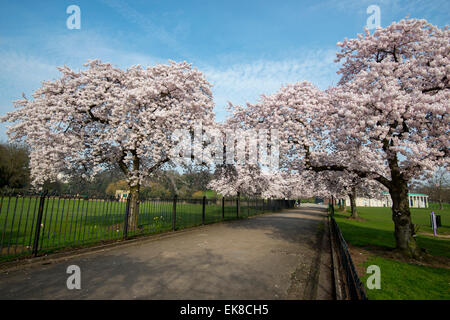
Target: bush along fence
x: 37, y: 224
x: 348, y: 286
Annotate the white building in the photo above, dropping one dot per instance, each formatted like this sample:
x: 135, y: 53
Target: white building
x: 416, y: 200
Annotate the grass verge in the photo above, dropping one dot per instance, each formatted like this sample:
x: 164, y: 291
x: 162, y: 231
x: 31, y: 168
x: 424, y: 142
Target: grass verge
x: 372, y: 241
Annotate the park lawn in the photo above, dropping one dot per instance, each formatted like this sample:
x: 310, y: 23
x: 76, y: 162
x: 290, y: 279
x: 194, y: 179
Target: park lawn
x: 405, y: 281
x: 378, y: 229
x: 400, y: 279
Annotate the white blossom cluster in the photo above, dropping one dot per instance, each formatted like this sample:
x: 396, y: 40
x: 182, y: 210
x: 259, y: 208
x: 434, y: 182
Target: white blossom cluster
x: 387, y: 121
x: 104, y: 115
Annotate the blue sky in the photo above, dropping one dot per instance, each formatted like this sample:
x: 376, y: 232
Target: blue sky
x: 245, y: 48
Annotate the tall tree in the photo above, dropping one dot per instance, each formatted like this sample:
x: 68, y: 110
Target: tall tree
x: 392, y: 101
x: 105, y: 115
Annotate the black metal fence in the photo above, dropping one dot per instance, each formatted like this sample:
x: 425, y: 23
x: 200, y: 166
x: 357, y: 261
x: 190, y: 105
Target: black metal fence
x: 38, y: 224
x: 352, y: 287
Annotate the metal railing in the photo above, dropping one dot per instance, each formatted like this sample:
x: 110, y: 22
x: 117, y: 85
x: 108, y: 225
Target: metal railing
x: 351, y: 286
x: 38, y: 224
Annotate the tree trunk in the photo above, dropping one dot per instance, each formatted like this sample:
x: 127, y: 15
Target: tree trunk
x: 440, y: 204
x: 404, y: 229
x: 352, y: 197
x: 133, y: 212
x: 341, y: 204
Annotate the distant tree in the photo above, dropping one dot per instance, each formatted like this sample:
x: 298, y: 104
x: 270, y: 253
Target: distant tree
x: 198, y: 194
x: 198, y: 178
x: 184, y: 184
x: 114, y: 186
x: 154, y: 189
x: 14, y: 166
x: 170, y: 180
x: 437, y: 186
x: 57, y: 187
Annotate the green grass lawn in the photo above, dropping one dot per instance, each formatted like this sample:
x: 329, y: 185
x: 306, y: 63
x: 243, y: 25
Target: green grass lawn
x: 401, y: 280
x: 405, y: 281
x: 378, y: 229
x: 69, y: 223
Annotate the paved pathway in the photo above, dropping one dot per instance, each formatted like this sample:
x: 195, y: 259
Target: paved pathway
x: 272, y: 256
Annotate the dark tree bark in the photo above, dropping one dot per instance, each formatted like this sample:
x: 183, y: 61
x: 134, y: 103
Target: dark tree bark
x: 401, y: 215
x: 404, y: 232
x: 352, y: 196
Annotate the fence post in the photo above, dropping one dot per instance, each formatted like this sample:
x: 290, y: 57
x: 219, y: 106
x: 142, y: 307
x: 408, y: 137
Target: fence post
x: 38, y: 223
x: 238, y: 205
x: 125, y: 224
x: 223, y: 208
x: 174, y: 213
x: 203, y: 209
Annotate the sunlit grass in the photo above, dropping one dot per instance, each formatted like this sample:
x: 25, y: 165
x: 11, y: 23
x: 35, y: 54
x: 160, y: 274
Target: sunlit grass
x: 399, y: 279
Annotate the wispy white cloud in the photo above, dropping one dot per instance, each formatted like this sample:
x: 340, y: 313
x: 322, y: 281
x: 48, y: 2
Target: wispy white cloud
x: 241, y: 83
x: 236, y: 82
x: 23, y: 70
x: 26, y: 69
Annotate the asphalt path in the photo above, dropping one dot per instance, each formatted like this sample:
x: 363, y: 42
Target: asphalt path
x: 271, y: 256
